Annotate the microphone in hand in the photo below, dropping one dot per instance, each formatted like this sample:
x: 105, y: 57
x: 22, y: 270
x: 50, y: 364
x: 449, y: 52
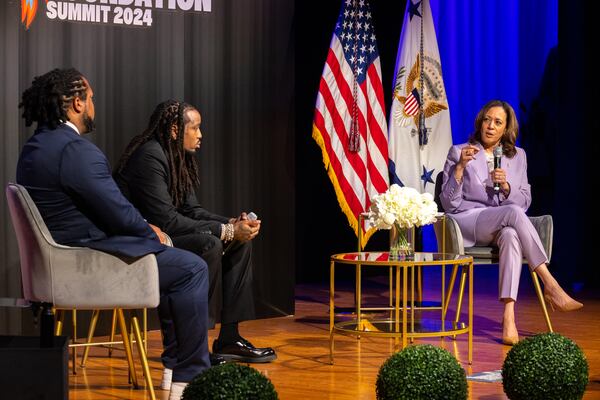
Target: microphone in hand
x: 497, y: 164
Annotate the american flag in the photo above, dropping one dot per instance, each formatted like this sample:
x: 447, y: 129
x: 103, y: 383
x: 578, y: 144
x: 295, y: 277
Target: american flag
x: 350, y: 123
x: 411, y: 107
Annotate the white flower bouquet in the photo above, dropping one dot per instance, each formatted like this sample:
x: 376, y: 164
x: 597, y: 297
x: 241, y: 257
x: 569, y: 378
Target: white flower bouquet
x: 403, y: 206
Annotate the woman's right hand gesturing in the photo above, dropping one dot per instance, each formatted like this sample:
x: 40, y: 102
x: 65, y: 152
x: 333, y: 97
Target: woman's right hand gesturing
x: 467, y: 154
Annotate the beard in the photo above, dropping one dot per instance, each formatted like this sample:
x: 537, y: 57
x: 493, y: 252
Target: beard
x: 88, y: 123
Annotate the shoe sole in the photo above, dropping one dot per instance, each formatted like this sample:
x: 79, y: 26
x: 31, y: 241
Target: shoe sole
x: 233, y: 357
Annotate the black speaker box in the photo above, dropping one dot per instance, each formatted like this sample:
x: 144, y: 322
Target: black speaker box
x: 31, y: 372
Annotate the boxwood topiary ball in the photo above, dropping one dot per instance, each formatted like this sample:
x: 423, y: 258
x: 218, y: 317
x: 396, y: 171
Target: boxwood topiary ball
x: 230, y: 381
x: 546, y: 366
x: 422, y: 372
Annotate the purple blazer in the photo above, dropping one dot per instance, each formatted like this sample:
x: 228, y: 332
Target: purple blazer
x: 466, y: 200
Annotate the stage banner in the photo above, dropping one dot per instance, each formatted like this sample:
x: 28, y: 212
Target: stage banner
x: 138, y: 13
x: 231, y: 59
x: 350, y: 123
x: 419, y: 124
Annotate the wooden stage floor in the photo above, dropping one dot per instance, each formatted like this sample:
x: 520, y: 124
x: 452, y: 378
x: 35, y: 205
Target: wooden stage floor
x: 302, y: 370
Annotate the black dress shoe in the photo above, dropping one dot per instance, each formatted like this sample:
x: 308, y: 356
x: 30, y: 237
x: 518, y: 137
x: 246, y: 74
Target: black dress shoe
x: 242, y: 350
x: 216, y: 359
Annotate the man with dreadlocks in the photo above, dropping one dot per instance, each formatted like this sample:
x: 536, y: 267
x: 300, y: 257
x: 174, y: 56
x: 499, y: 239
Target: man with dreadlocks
x: 70, y: 181
x: 158, y: 173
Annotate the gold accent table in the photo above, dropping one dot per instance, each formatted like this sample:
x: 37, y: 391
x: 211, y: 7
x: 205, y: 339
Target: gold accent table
x: 401, y: 322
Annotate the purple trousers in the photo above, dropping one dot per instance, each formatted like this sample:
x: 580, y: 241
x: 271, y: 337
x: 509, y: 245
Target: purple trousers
x: 509, y: 228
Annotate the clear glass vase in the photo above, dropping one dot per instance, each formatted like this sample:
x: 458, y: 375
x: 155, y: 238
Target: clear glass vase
x: 402, y: 245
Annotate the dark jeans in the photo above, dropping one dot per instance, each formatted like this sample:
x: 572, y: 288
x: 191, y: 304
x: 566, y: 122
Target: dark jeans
x: 183, y: 311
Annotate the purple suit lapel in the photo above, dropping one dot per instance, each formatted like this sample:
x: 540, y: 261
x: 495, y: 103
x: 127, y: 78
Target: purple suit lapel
x: 479, y: 165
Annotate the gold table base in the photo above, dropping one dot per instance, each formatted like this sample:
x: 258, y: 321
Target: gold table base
x: 401, y: 323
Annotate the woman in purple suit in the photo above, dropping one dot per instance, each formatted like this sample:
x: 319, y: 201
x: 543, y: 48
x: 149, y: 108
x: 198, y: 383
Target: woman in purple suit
x: 489, y: 206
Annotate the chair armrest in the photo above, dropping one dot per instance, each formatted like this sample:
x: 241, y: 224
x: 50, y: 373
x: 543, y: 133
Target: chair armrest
x: 544, y: 225
x: 454, y: 239
x: 89, y: 279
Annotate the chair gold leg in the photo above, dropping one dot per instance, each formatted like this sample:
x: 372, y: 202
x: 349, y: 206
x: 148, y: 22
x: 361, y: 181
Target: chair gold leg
x: 90, y: 335
x: 127, y: 345
x: 74, y: 340
x: 540, y: 295
x: 60, y: 320
x: 112, y: 331
x: 143, y: 357
x: 131, y: 335
x: 145, y: 324
x: 470, y: 340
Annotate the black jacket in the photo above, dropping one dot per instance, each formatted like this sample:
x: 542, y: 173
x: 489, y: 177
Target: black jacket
x: 145, y: 182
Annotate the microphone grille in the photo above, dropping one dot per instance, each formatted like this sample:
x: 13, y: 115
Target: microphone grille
x: 498, y: 151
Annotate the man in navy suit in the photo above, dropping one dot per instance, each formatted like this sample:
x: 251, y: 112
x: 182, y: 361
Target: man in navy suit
x: 70, y: 181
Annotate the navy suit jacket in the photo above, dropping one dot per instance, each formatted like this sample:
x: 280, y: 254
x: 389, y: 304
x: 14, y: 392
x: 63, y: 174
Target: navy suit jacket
x: 70, y: 181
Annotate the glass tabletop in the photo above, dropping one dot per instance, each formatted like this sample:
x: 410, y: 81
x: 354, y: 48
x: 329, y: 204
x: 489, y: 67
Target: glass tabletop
x: 383, y: 257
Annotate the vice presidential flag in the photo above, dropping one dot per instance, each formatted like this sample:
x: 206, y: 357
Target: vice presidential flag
x: 350, y: 123
x: 417, y: 157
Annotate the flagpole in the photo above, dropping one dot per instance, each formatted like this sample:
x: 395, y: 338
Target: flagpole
x: 422, y: 128
x: 354, y: 140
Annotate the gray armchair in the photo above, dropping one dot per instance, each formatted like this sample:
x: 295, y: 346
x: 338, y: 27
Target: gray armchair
x: 81, y: 278
x: 450, y: 240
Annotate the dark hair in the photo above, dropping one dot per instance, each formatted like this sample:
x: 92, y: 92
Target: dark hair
x: 50, y: 95
x: 182, y: 165
x: 511, y: 131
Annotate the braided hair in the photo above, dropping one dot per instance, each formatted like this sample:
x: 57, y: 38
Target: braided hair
x: 50, y: 95
x: 183, y: 167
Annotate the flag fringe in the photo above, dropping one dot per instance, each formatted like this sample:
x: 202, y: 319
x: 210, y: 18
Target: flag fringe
x: 352, y: 221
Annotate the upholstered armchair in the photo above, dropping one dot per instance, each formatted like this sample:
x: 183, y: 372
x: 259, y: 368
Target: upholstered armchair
x: 450, y: 240
x: 82, y: 278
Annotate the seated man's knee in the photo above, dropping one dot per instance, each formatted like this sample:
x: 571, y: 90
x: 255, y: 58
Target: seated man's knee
x: 198, y: 267
x: 247, y: 246
x: 211, y: 247
x: 181, y: 269
x: 191, y: 262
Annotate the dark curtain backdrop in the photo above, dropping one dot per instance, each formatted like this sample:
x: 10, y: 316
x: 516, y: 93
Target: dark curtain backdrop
x: 236, y: 64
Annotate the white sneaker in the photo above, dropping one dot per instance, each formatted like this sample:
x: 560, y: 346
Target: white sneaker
x: 165, y: 384
x: 177, y: 389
